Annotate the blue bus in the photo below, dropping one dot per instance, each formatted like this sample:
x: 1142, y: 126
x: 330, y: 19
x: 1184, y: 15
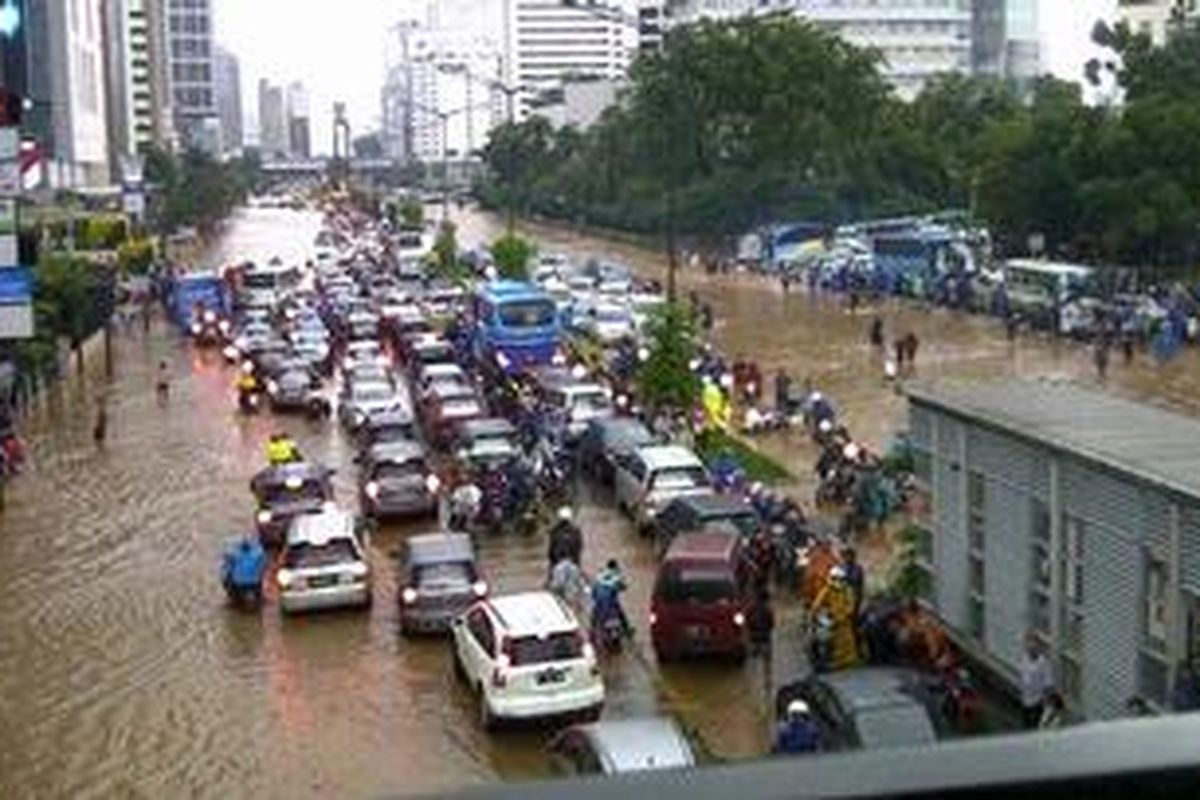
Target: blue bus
x: 517, y: 325
x: 199, y: 304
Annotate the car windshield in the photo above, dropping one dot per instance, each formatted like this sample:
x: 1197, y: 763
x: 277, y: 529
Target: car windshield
x: 590, y: 401
x: 260, y: 280
x: 306, y: 555
x: 895, y: 726
x: 701, y: 587
x: 526, y: 313
x: 439, y: 577
x: 746, y: 524
x: 280, y: 493
x: 612, y: 315
x: 679, y: 478
x: 372, y: 392
x: 530, y: 650
x: 393, y: 471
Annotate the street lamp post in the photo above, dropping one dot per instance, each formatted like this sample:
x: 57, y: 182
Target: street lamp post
x: 444, y: 120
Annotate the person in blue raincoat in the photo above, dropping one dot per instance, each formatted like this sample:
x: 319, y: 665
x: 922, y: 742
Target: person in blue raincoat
x: 242, y: 568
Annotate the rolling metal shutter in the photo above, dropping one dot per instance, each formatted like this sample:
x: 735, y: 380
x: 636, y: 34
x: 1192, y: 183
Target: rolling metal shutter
x: 950, y: 538
x: 920, y: 425
x: 1009, y: 460
x: 1112, y: 620
x: 1007, y: 571
x: 1189, y: 548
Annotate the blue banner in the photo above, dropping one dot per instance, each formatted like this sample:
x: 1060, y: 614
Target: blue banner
x: 16, y: 285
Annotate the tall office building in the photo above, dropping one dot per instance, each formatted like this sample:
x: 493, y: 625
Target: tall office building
x: 272, y: 122
x: 396, y: 95
x: 190, y: 53
x: 67, y: 113
x: 918, y: 38
x: 1156, y: 17
x: 136, y: 81
x: 548, y: 42
x: 299, y: 136
x: 452, y: 103
x: 228, y: 86
x: 1005, y: 40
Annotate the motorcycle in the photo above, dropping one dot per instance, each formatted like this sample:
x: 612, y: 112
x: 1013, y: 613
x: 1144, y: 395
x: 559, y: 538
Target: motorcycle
x: 250, y: 401
x: 608, y: 632
x: 241, y: 579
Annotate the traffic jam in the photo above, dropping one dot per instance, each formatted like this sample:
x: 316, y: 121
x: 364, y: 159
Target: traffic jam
x: 478, y: 408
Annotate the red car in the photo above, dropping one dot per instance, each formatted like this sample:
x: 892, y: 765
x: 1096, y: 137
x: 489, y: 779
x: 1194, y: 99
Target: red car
x: 445, y: 407
x: 702, y: 598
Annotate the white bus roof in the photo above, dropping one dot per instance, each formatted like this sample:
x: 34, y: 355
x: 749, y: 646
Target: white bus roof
x: 1049, y: 267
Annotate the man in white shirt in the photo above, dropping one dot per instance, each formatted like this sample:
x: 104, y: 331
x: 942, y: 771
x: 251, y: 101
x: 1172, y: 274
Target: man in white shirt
x: 1037, y: 681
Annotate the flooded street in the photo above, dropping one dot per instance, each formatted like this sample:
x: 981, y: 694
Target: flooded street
x: 123, y: 673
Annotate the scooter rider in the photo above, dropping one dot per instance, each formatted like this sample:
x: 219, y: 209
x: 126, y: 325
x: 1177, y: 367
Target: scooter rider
x: 242, y: 569
x: 798, y: 733
x: 281, y: 449
x: 566, y: 539
x: 606, y: 598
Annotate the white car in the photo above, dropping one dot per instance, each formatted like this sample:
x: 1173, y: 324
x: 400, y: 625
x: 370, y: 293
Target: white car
x: 363, y: 351
x: 362, y: 400
x: 609, y: 323
x: 527, y: 656
x: 650, y: 477
x: 324, y: 564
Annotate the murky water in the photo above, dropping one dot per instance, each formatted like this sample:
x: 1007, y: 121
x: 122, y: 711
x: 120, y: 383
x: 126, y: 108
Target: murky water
x: 123, y: 672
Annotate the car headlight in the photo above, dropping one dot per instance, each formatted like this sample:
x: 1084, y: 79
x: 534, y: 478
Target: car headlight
x: 480, y: 588
x: 263, y: 516
x: 224, y: 326
x: 196, y: 328
x: 408, y: 596
x: 210, y: 316
x: 272, y: 387
x: 371, y: 490
x: 559, y: 358
x: 739, y: 619
x: 284, y: 578
x: 230, y: 352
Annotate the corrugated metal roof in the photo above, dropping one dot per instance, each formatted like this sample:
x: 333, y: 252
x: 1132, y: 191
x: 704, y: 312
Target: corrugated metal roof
x: 1156, y: 445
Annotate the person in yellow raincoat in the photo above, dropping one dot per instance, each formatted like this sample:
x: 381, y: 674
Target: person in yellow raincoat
x: 834, y: 607
x: 717, y: 410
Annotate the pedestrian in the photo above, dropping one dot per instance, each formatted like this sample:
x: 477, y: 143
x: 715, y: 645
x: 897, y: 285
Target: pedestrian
x: 162, y: 386
x: 1101, y: 358
x: 856, y: 577
x: 783, y: 392
x: 876, y: 333
x: 1053, y: 713
x: 1010, y: 326
x: 568, y: 582
x: 1036, y: 683
x: 785, y: 280
x: 853, y: 301
x: 761, y: 623
x: 899, y: 347
x: 100, y: 428
x: 911, y: 344
x: 1127, y: 348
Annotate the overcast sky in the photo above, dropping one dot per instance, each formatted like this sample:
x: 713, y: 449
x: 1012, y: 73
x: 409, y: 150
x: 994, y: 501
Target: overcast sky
x: 336, y: 49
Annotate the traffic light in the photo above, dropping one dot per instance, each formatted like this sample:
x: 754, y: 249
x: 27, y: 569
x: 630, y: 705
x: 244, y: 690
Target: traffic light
x: 12, y: 58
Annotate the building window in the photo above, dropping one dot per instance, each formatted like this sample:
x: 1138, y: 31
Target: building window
x: 1154, y: 589
x: 976, y: 501
x: 1072, y: 559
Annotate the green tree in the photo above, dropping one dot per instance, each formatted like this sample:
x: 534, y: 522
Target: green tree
x: 512, y: 255
x: 666, y: 379
x: 445, y: 249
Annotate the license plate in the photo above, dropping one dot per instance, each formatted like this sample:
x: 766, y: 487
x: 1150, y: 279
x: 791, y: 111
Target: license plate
x: 697, y: 632
x: 551, y: 675
x: 320, y: 581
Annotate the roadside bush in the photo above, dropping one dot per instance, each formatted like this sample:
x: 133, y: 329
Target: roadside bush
x: 512, y: 255
x: 135, y: 256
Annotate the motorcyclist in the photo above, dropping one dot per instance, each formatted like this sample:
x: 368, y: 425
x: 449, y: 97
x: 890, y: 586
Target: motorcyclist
x: 242, y: 568
x: 465, y: 502
x: 247, y: 382
x: 281, y: 449
x: 606, y: 598
x: 566, y: 539
x: 798, y: 733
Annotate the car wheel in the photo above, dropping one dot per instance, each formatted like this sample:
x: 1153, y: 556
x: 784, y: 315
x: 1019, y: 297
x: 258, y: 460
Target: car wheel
x: 459, y: 671
x: 487, y: 720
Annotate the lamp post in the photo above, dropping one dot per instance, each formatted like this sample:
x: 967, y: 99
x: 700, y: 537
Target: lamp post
x: 444, y: 119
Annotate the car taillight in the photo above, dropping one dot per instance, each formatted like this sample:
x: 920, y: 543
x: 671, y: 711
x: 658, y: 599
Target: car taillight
x: 653, y: 619
x: 371, y: 490
x: 409, y: 596
x: 739, y: 619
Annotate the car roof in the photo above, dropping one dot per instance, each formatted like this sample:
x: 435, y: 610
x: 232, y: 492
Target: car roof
x: 659, y: 456
x: 532, y: 614
x: 397, y: 452
x: 702, y: 546
x: 627, y: 745
x: 281, y: 472
x: 713, y: 505
x: 623, y: 428
x: 444, y: 391
x: 388, y: 418
x: 442, y: 369
x: 321, y: 527
x: 439, y: 548
x: 870, y: 688
x: 485, y: 426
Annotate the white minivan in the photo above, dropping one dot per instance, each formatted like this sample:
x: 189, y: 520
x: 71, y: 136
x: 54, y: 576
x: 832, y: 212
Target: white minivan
x: 526, y: 656
x: 648, y: 478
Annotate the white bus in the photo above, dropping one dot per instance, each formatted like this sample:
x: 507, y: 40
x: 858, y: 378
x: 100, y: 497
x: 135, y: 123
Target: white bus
x: 1045, y: 284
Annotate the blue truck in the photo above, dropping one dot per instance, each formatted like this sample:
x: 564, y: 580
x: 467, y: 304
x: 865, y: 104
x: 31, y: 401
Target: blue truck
x: 198, y: 302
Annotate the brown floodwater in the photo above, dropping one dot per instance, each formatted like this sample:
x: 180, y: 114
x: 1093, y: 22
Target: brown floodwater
x: 123, y: 672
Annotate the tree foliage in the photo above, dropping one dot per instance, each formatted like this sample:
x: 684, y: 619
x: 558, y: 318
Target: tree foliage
x: 665, y: 379
x: 512, y: 255
x: 738, y: 123
x: 196, y: 190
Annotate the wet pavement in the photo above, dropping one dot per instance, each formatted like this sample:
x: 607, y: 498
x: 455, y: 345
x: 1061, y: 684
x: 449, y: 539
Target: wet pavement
x: 124, y: 673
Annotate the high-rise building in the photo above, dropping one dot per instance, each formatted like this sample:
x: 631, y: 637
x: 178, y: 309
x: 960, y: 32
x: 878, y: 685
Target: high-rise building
x: 1005, y: 40
x: 652, y: 23
x: 228, y: 86
x: 67, y: 112
x: 299, y: 136
x: 272, y: 121
x: 1155, y: 17
x: 452, y: 103
x: 136, y: 82
x: 548, y: 41
x: 917, y: 38
x: 396, y: 95
x: 190, y: 53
